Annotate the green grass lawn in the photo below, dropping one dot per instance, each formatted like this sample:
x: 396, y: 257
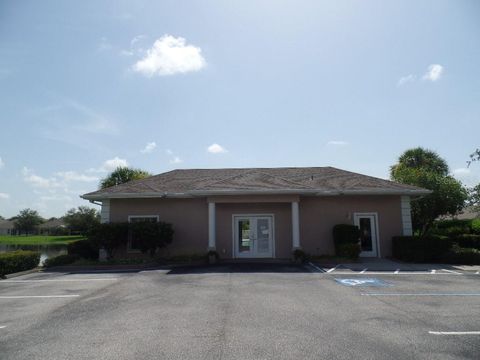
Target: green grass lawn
x: 38, y: 239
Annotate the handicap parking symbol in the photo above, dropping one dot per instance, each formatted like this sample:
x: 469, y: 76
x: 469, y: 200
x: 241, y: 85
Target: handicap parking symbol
x: 363, y: 282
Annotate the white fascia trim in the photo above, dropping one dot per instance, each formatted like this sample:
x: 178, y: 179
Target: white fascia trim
x: 195, y: 193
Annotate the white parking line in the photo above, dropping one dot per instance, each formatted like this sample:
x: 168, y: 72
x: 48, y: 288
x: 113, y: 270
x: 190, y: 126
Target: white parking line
x: 38, y: 296
x: 433, y: 271
x: 3, y: 326
x: 420, y: 294
x: 397, y: 271
x: 332, y: 269
x: 453, y: 272
x: 454, y: 332
x: 316, y: 267
x: 392, y: 273
x: 56, y: 280
x: 363, y: 271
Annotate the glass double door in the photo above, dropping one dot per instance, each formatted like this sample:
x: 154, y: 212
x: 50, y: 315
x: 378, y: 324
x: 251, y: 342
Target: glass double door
x: 253, y: 236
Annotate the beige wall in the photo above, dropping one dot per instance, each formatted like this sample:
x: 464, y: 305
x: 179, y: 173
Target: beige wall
x: 317, y: 217
x: 189, y: 218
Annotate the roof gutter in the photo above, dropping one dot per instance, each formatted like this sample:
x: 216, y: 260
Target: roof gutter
x: 202, y: 193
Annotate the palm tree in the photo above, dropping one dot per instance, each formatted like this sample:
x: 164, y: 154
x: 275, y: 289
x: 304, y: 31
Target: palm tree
x: 420, y: 159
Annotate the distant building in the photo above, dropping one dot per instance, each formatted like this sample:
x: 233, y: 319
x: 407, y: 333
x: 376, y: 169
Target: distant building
x: 53, y: 227
x: 7, y: 227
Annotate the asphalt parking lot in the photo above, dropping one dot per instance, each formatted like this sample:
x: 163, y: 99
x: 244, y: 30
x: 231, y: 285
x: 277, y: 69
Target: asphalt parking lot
x: 242, y: 312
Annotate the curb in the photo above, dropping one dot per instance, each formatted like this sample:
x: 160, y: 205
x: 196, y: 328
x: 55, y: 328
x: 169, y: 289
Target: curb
x: 26, y: 272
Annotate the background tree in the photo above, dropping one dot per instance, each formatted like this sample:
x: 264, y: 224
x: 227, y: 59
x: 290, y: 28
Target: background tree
x: 122, y: 175
x: 420, y: 159
x: 474, y: 198
x: 27, y: 221
x: 81, y: 219
x: 426, y: 169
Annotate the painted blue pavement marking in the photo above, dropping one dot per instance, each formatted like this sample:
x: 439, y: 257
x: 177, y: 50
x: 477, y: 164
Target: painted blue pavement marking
x: 363, y: 282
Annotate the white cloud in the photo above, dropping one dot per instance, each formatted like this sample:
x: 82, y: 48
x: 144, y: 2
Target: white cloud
x: 37, y: 181
x: 104, y: 44
x: 467, y: 176
x: 114, y: 163
x: 434, y: 72
x: 149, y: 147
x: 75, y: 176
x: 406, y: 79
x: 2, y: 163
x: 4, y: 196
x: 337, y: 143
x: 136, y: 39
x: 176, y: 160
x: 216, y: 149
x: 170, y: 55
x: 461, y: 171
x: 169, y: 152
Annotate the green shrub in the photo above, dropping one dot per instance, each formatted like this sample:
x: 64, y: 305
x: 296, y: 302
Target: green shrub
x: 451, y: 227
x: 150, y: 236
x: 475, y: 226
x: 345, y: 234
x: 420, y: 249
x: 466, y: 241
x: 17, y: 261
x: 85, y: 249
x: 349, y: 251
x: 110, y: 236
x: 60, y: 260
x: 300, y: 256
x: 459, y: 255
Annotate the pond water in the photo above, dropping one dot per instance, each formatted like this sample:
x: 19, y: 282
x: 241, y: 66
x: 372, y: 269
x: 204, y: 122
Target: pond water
x: 46, y: 251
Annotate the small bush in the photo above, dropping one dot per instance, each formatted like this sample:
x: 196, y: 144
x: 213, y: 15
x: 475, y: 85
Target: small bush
x: 345, y: 234
x: 17, y: 261
x: 349, y: 251
x: 85, y: 249
x: 110, y: 236
x: 300, y: 256
x: 467, y: 241
x: 475, y: 226
x: 60, y: 260
x: 459, y: 255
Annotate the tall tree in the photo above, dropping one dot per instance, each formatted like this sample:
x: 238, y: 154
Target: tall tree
x: 420, y: 159
x: 425, y: 168
x: 122, y: 175
x: 27, y: 220
x: 81, y: 219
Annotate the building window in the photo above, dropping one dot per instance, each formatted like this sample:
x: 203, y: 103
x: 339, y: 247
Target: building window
x: 132, y: 240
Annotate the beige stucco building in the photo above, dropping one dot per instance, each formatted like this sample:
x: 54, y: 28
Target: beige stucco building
x: 263, y: 212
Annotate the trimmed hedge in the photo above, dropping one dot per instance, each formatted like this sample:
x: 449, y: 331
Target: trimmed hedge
x: 85, y: 249
x: 60, y: 260
x: 459, y: 255
x: 463, y: 249
x: 466, y: 241
x: 475, y: 226
x: 17, y: 261
x: 420, y: 249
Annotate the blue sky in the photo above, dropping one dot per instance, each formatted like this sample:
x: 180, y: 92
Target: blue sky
x: 88, y: 85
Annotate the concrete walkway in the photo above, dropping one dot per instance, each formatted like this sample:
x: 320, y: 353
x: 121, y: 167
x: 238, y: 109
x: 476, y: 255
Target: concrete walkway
x: 376, y: 264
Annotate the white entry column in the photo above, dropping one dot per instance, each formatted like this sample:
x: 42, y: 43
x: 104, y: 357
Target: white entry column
x: 295, y: 225
x: 211, y: 226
